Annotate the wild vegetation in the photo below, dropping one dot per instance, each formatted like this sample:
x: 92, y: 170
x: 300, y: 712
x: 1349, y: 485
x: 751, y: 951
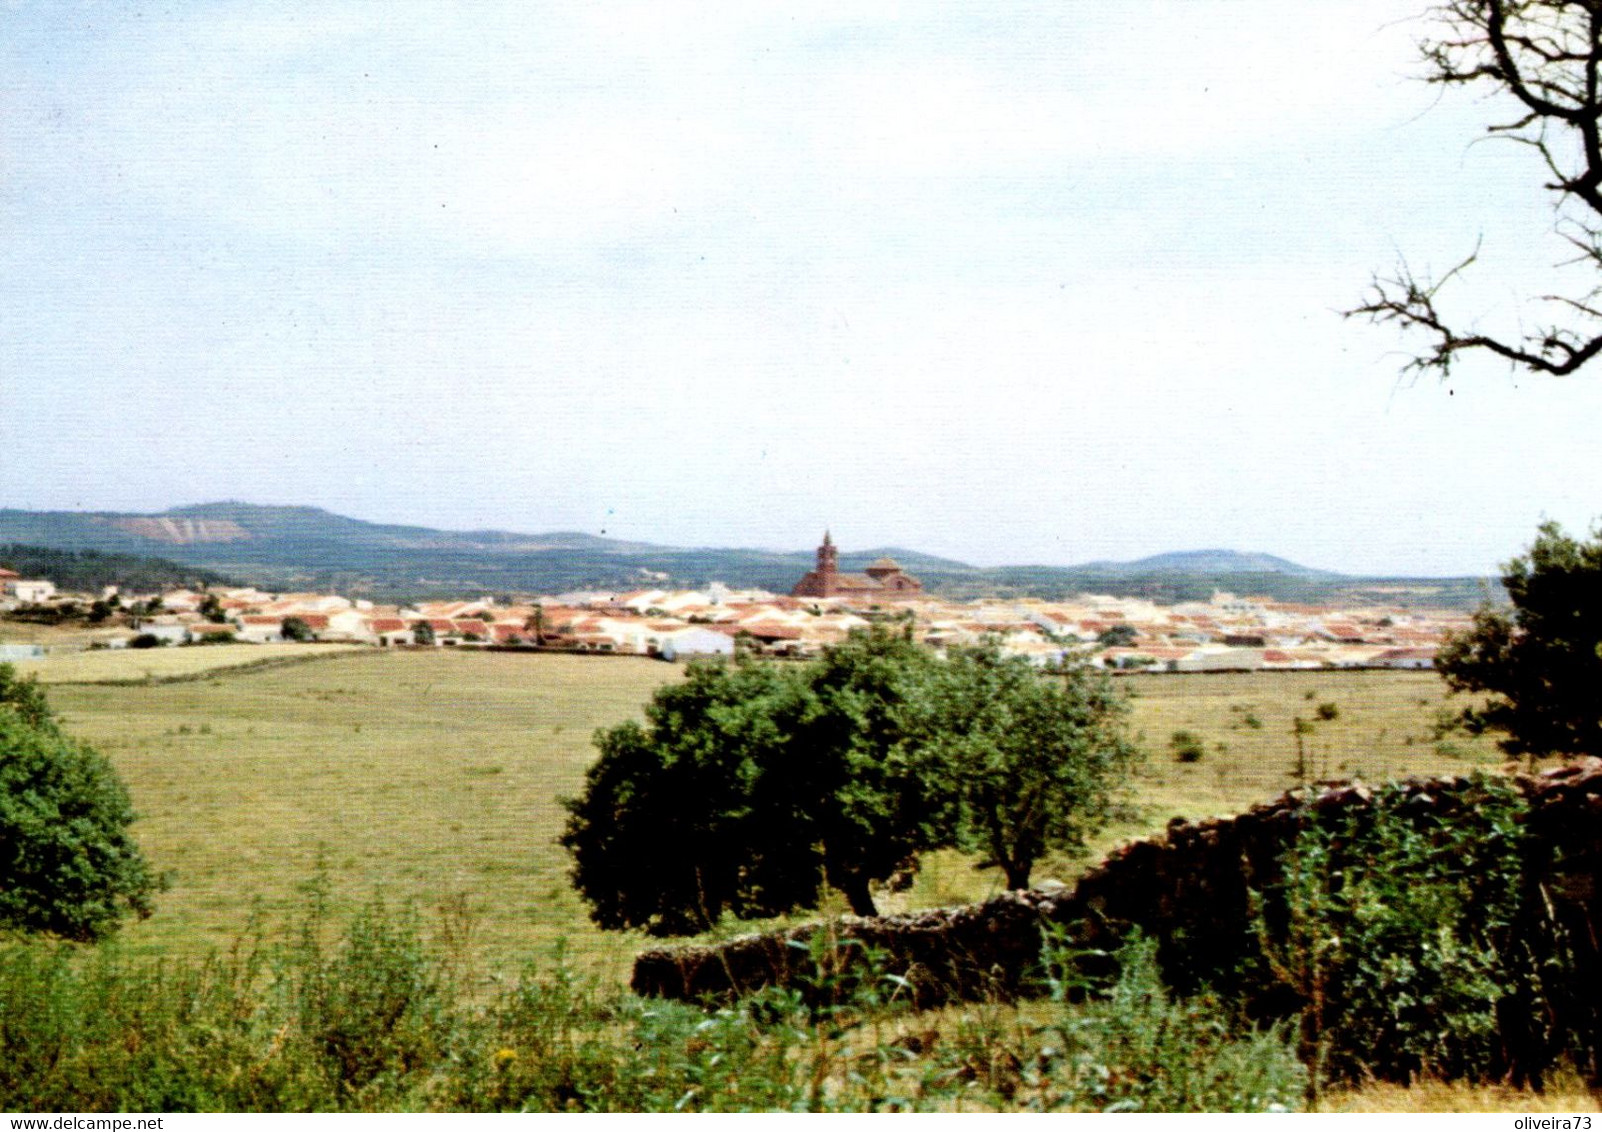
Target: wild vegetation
x: 69, y: 866
x: 431, y: 777
x: 382, y: 1016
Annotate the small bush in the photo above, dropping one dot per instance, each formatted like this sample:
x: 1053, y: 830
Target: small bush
x: 1135, y: 1049
x: 1187, y: 746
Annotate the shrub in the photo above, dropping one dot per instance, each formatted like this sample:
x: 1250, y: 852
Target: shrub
x: 296, y: 629
x: 1398, y: 933
x: 1187, y: 746
x: 70, y: 868
x: 1135, y: 1049
x: 375, y: 1007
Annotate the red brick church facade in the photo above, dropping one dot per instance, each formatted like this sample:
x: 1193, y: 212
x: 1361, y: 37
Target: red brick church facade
x: 882, y: 579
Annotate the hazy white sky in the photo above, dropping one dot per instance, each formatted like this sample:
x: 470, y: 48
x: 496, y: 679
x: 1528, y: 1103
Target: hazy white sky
x: 1007, y: 282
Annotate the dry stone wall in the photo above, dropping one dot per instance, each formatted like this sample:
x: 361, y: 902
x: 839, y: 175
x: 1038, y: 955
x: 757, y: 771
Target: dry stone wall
x: 1190, y: 889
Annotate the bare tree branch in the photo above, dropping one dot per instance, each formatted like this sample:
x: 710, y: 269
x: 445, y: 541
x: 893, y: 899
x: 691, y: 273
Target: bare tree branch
x: 1546, y: 55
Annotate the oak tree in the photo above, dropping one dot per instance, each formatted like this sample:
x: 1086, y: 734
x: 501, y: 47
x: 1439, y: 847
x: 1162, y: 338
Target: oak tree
x: 1538, y: 663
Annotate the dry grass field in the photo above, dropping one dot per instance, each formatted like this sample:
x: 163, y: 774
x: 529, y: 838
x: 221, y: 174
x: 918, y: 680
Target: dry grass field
x: 103, y: 666
x: 1383, y: 725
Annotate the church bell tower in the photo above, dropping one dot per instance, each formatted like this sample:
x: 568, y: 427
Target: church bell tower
x: 828, y: 558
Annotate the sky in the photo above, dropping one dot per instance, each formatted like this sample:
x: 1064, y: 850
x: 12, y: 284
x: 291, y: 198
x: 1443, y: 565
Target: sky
x: 1006, y: 282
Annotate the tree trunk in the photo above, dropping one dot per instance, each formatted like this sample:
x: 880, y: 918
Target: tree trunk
x: 1017, y: 873
x: 856, y: 893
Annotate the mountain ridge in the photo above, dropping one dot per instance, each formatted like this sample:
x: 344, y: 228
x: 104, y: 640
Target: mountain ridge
x: 293, y: 546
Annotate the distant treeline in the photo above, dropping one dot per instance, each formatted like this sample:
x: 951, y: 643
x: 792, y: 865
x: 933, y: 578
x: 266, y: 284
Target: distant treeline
x: 90, y: 570
x: 1054, y: 583
x: 421, y: 575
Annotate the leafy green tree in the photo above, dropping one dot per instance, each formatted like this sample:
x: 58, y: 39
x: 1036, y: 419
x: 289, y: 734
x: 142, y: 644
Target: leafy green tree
x: 69, y: 866
x: 1118, y: 636
x: 22, y: 697
x: 423, y: 633
x: 1037, y: 762
x: 1538, y: 664
x: 876, y: 789
x: 752, y: 784
x: 691, y: 815
x: 211, y: 609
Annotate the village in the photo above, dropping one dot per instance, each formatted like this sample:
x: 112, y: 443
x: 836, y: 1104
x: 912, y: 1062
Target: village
x: 1226, y: 633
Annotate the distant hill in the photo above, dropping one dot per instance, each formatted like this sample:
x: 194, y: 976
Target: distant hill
x: 309, y: 548
x: 1216, y: 562
x: 88, y: 571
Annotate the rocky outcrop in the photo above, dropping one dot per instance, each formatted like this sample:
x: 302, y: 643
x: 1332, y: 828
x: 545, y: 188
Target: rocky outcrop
x: 182, y: 532
x: 1190, y: 889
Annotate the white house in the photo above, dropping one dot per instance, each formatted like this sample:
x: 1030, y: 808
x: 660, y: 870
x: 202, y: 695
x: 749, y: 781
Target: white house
x: 31, y: 592
x: 1405, y: 658
x: 696, y: 640
x: 167, y: 632
x: 260, y: 628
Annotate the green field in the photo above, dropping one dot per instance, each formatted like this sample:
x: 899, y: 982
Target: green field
x: 425, y: 777
x: 102, y: 666
x: 1384, y: 726
x: 432, y: 778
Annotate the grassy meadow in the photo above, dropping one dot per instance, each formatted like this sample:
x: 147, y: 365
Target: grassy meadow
x: 431, y: 777
x: 103, y: 666
x: 1386, y: 725
x: 428, y: 777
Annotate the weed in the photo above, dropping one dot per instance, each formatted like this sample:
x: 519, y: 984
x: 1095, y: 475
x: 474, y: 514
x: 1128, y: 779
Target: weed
x: 1132, y: 1048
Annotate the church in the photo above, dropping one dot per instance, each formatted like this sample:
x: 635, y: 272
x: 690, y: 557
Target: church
x: 884, y: 578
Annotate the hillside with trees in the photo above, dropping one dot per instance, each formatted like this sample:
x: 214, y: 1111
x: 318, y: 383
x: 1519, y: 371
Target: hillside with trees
x: 87, y: 571
x: 304, y: 548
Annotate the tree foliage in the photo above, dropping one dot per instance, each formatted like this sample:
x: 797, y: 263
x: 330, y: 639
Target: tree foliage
x: 68, y: 866
x: 1035, y: 762
x: 877, y: 794
x: 1539, y: 663
x: 752, y: 785
x: 1540, y: 60
x: 296, y: 629
x: 83, y: 571
x: 690, y: 815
